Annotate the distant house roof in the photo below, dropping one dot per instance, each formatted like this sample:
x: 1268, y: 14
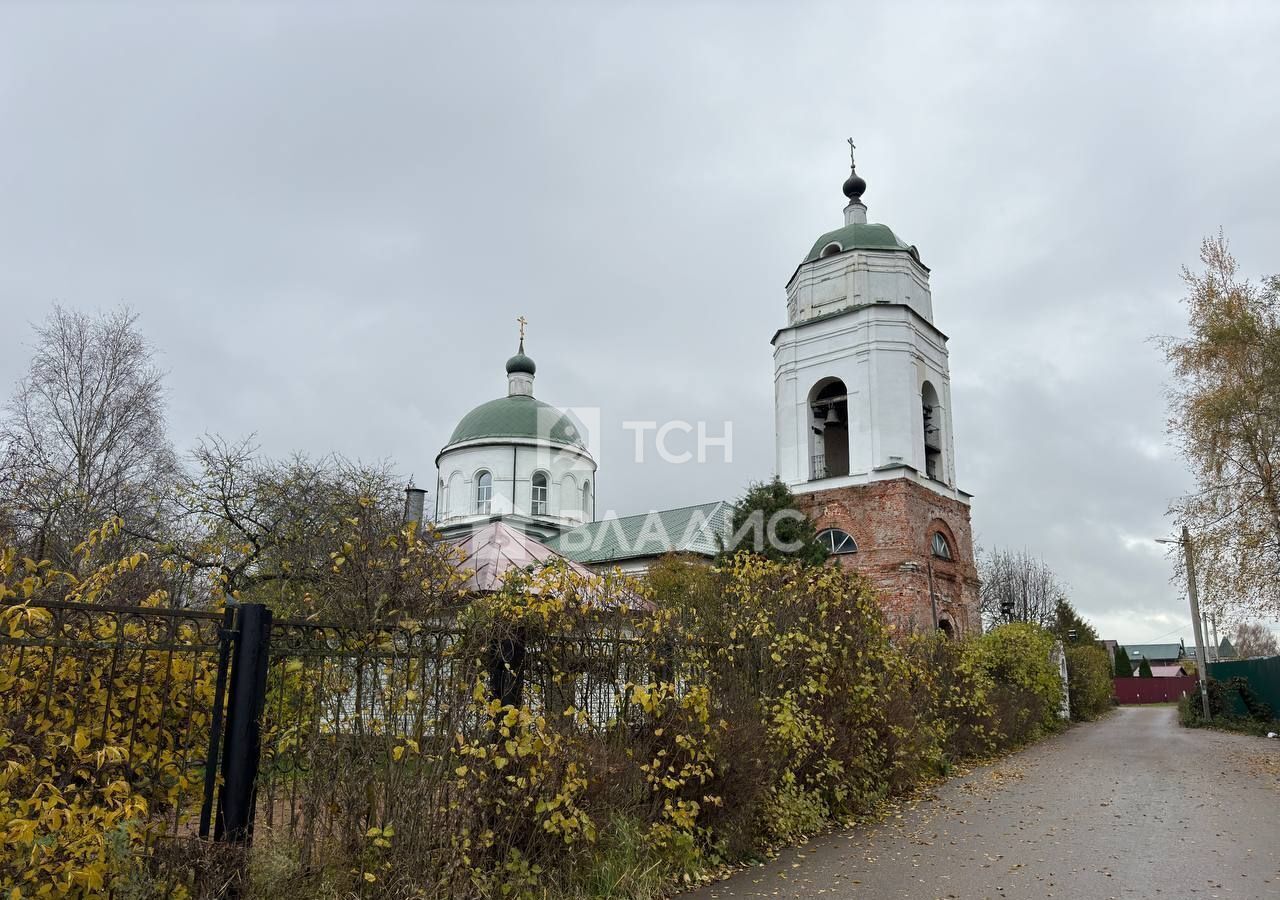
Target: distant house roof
x: 1226, y: 650
x: 688, y: 529
x: 1151, y: 652
x: 1168, y: 671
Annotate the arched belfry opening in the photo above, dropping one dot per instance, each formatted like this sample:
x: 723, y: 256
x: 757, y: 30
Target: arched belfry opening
x: 829, y: 429
x: 931, y: 411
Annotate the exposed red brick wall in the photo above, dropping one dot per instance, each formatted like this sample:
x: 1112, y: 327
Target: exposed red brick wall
x: 893, y: 523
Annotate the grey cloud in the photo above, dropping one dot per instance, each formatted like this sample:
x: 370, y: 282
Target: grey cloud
x: 329, y: 218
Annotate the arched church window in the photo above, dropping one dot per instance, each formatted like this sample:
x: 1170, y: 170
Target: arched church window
x: 586, y: 499
x: 538, y: 499
x: 831, y: 249
x: 484, y: 493
x: 837, y: 542
x: 931, y: 413
x: 829, y: 429
x: 941, y: 548
x: 948, y: 630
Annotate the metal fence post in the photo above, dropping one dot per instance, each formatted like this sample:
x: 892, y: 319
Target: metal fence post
x: 244, y: 723
x: 226, y: 634
x: 506, y: 671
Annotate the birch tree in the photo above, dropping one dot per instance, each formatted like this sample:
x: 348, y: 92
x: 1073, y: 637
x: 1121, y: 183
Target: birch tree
x: 83, y: 436
x: 1017, y: 587
x: 1225, y: 413
x: 1254, y: 639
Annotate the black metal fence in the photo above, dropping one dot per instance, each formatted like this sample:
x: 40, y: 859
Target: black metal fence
x: 359, y: 724
x: 349, y: 715
x: 147, y: 682
x: 232, y: 722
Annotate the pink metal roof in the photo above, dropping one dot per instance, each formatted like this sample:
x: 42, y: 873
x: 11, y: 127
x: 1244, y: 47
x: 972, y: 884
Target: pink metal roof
x: 1167, y: 671
x: 497, y: 548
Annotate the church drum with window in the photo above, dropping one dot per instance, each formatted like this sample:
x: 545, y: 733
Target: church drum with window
x: 516, y: 459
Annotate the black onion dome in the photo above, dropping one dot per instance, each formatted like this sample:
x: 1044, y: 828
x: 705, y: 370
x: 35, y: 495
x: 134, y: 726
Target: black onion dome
x: 854, y: 185
x: 521, y: 363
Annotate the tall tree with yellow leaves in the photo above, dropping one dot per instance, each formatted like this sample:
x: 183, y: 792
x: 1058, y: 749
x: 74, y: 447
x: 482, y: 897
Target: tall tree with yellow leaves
x: 1225, y: 412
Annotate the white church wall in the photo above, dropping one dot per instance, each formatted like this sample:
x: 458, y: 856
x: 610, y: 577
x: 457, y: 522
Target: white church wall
x: 895, y: 407
x: 856, y: 278
x: 461, y: 466
x: 455, y: 499
x: 883, y: 354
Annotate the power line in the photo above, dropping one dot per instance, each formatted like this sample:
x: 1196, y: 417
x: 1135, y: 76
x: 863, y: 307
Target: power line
x: 1166, y: 634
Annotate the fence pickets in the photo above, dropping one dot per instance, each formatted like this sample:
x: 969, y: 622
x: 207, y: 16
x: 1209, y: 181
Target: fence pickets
x: 286, y: 705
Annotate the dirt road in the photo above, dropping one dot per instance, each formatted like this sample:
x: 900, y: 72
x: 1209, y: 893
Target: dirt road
x: 1132, y: 806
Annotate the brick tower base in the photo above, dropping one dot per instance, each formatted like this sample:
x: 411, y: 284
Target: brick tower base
x: 893, y: 523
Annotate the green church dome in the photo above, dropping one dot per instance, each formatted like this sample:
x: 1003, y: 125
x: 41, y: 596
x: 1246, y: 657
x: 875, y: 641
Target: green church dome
x: 860, y: 236
x: 518, y: 416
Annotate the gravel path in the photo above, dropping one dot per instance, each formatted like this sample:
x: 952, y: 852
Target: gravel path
x: 1132, y: 806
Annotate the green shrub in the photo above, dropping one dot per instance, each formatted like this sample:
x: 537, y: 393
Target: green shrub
x: 1226, y: 700
x: 1088, y: 681
x: 733, y: 707
x: 626, y: 864
x: 1028, y: 686
x: 959, y: 706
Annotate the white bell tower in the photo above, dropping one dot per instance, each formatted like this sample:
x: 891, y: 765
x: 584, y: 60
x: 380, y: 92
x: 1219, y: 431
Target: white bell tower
x: 862, y: 389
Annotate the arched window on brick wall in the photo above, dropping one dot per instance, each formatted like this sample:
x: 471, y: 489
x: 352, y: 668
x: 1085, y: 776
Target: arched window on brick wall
x: 941, y: 547
x: 837, y: 542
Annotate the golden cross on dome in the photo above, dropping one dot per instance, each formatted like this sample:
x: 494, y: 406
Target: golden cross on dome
x: 523, y: 322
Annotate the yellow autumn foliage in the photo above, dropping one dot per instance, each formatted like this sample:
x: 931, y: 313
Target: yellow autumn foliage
x: 643, y: 730
x: 101, y: 744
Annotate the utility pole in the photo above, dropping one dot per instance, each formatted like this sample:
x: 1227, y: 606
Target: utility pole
x: 1202, y: 659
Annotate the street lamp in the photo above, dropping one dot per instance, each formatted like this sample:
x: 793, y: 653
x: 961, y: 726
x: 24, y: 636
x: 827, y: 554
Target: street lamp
x: 1202, y: 659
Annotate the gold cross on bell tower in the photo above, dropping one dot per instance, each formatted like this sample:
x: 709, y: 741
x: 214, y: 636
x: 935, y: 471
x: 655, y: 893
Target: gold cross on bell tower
x: 522, y: 321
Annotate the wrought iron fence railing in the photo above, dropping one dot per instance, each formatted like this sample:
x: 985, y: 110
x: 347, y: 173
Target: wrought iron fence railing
x: 145, y: 682
x: 230, y: 721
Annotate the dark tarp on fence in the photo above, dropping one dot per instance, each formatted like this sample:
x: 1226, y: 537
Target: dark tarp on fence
x: 1263, y: 675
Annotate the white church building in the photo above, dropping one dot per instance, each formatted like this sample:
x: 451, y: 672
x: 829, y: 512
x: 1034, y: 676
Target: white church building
x: 517, y: 459
x: 863, y: 430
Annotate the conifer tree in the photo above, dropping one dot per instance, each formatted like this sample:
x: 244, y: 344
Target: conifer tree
x: 1123, y: 667
x: 1144, y: 669
x: 1069, y: 627
x: 767, y: 522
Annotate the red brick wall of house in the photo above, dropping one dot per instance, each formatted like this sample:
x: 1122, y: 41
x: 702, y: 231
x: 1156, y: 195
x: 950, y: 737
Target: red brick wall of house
x: 893, y: 523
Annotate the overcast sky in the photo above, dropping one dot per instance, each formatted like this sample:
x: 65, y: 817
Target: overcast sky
x: 329, y: 218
